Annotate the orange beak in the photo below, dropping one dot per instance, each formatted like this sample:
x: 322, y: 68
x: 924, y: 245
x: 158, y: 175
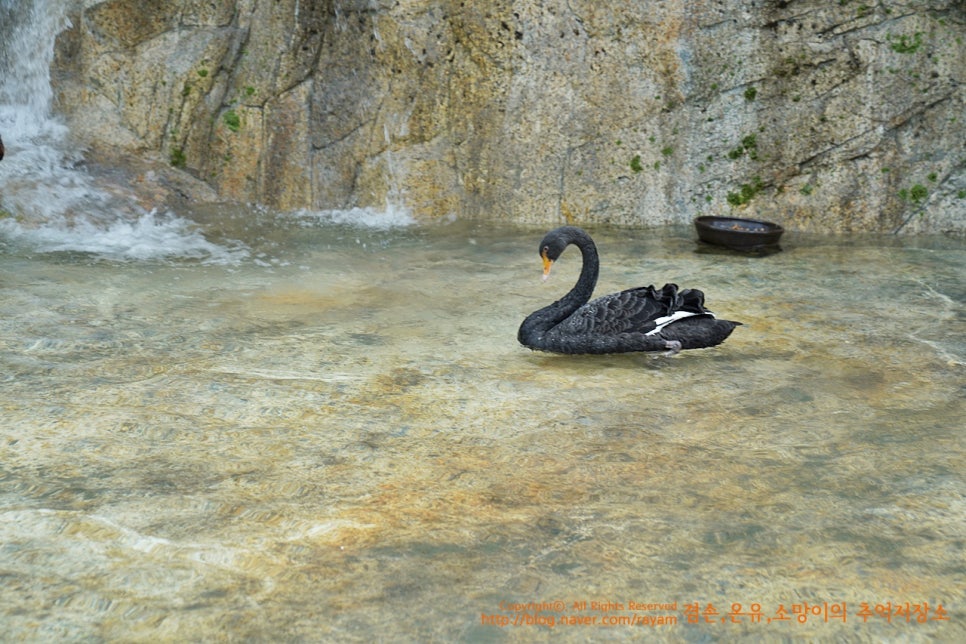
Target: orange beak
x: 547, y: 265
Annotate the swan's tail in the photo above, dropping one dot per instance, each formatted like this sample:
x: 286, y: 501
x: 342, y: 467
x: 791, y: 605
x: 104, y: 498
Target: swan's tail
x: 699, y: 332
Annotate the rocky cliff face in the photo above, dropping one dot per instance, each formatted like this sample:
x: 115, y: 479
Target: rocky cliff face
x: 831, y: 115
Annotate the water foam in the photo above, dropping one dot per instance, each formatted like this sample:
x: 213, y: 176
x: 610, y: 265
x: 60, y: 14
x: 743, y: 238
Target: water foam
x: 392, y: 216
x: 151, y: 236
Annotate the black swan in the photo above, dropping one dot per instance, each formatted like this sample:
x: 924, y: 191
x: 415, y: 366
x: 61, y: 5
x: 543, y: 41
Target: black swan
x: 638, y: 319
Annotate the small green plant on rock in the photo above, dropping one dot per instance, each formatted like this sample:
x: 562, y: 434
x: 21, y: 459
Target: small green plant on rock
x: 177, y: 158
x: 915, y: 194
x: 749, y: 146
x: 231, y: 120
x: 746, y: 192
x: 636, y: 165
x: 904, y: 44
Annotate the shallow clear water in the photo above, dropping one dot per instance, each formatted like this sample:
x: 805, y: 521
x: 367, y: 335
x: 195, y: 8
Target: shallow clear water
x: 333, y: 435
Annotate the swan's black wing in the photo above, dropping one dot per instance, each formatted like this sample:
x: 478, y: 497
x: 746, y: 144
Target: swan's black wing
x: 643, y: 310
x: 639, y: 319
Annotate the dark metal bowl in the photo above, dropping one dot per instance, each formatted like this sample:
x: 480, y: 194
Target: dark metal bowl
x: 740, y: 234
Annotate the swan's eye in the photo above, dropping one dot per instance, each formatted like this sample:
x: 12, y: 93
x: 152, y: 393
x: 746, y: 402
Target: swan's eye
x: 545, y: 252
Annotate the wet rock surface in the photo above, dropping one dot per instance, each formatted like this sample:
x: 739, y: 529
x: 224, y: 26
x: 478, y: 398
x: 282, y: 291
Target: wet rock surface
x: 822, y: 116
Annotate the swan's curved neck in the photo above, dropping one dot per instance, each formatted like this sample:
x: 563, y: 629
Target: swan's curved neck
x: 539, y: 322
x: 584, y: 288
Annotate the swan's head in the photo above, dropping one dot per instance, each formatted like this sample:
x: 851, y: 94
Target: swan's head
x: 547, y: 262
x: 553, y: 245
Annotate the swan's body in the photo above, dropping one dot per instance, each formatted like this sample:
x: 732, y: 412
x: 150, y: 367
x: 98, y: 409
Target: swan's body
x: 638, y: 319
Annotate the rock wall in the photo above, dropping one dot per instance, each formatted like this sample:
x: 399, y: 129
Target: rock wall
x: 826, y: 115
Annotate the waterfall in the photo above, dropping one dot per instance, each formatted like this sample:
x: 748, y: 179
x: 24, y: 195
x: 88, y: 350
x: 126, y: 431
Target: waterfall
x: 48, y: 200
x: 26, y: 50
x: 38, y: 179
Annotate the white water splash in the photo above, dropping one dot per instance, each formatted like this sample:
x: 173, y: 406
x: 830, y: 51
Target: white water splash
x: 148, y: 237
x: 386, y: 219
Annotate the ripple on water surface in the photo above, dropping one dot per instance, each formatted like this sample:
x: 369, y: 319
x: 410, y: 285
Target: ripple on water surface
x: 337, y: 436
